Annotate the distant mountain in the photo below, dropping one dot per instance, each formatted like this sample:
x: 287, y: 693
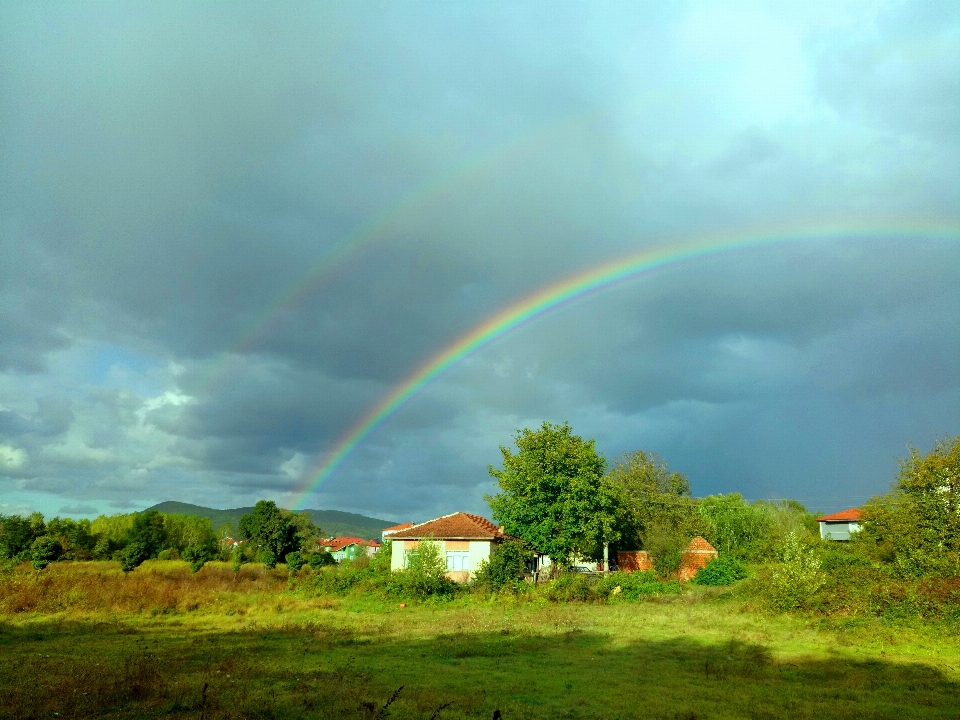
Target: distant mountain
x: 331, y: 522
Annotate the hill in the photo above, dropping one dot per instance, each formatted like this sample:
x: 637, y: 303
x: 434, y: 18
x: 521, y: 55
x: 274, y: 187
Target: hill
x: 331, y: 522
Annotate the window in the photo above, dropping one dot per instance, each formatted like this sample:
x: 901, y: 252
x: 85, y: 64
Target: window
x: 458, y: 559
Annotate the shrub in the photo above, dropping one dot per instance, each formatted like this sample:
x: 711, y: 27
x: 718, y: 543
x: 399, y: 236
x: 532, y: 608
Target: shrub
x: 44, y: 550
x: 320, y: 559
x: 267, y: 558
x: 237, y: 560
x: 294, y: 562
x: 168, y: 554
x: 425, y: 574
x: 570, y: 586
x: 724, y: 570
x: 634, y: 586
x: 200, y: 554
x: 132, y: 556
x: 506, y: 565
x: 794, y: 584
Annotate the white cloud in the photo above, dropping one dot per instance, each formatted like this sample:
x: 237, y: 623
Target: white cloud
x: 11, y: 458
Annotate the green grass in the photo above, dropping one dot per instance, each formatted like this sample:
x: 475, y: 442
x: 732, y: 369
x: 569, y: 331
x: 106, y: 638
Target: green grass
x: 264, y: 653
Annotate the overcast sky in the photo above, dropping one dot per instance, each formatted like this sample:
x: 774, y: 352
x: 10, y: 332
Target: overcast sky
x: 170, y: 174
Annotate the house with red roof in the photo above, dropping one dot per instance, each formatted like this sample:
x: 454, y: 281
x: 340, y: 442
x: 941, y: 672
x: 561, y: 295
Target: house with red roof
x: 840, y: 525
x: 465, y: 541
x: 348, y: 548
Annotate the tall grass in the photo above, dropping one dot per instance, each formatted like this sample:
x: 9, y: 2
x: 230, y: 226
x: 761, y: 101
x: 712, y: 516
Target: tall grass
x: 156, y: 586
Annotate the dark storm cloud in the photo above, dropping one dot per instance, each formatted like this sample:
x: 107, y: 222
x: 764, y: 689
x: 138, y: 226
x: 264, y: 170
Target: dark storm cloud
x: 172, y: 173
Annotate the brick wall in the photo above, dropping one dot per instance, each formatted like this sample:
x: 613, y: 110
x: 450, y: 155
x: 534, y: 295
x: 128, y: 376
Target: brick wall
x: 696, y: 555
x: 634, y: 560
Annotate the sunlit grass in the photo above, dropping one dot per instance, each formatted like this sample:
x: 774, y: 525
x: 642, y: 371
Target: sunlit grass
x: 88, y: 647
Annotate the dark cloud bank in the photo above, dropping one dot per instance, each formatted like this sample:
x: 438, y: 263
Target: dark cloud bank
x: 171, y: 171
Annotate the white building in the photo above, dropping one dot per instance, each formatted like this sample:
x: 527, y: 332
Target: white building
x: 840, y: 525
x: 465, y: 540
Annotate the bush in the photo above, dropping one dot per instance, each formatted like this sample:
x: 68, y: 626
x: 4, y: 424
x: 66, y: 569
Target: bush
x: 44, y: 550
x: 725, y: 570
x: 506, y: 565
x: 425, y: 574
x: 132, y: 556
x: 168, y: 554
x: 294, y: 562
x: 320, y: 559
x: 634, y: 586
x: 200, y: 554
x: 571, y: 586
x: 794, y: 584
x: 267, y: 558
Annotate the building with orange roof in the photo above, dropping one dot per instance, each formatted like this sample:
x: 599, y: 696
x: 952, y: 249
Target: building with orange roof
x: 348, y: 548
x: 840, y: 525
x: 465, y: 541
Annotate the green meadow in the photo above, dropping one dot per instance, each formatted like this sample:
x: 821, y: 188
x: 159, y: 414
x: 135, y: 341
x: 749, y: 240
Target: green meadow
x: 86, y: 640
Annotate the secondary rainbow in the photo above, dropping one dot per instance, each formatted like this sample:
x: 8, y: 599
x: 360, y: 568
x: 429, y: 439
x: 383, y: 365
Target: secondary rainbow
x: 377, y: 226
x: 575, y: 287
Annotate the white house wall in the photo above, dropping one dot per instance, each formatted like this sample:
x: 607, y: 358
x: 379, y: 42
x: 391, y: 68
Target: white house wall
x: 838, y: 530
x: 479, y: 550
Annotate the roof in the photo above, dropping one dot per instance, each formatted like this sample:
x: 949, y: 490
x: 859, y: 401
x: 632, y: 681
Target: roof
x: 457, y: 526
x: 849, y: 515
x: 394, y: 528
x: 339, y: 543
x: 698, y: 544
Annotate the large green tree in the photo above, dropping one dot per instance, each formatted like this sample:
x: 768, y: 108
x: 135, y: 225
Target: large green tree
x: 655, y: 503
x: 552, y: 494
x: 269, y: 530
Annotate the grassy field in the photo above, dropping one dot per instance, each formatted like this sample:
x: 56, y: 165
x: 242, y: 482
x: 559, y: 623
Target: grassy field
x: 83, y: 640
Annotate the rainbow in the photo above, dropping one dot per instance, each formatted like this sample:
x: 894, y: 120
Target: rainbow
x: 377, y: 226
x: 569, y: 289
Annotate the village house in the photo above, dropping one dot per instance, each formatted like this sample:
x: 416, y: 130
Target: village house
x: 349, y: 548
x: 840, y: 525
x: 465, y: 541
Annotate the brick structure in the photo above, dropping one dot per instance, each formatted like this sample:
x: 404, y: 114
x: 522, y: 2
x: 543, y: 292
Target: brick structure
x: 634, y: 561
x: 695, y: 556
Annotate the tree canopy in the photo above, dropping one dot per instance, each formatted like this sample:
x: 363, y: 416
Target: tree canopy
x: 653, y: 501
x: 917, y: 524
x: 552, y: 494
x: 268, y: 530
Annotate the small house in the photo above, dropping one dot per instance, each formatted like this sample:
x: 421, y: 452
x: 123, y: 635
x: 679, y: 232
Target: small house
x: 840, y: 525
x: 348, y: 548
x: 465, y: 541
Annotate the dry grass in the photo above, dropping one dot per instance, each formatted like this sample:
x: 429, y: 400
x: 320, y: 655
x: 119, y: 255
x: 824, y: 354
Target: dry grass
x: 155, y: 587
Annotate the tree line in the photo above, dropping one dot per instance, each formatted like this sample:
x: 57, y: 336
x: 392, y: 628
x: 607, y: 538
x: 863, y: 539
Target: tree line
x: 268, y: 534
x: 559, y: 496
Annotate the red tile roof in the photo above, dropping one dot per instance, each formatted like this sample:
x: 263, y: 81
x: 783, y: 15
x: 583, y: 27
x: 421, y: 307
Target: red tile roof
x: 849, y: 515
x: 338, y: 543
x: 401, y: 526
x: 458, y: 526
x: 698, y: 544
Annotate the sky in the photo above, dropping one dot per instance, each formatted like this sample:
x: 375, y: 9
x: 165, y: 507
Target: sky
x: 228, y: 231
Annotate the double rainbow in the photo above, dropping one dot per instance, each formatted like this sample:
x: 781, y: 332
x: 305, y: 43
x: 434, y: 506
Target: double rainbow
x: 575, y: 287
